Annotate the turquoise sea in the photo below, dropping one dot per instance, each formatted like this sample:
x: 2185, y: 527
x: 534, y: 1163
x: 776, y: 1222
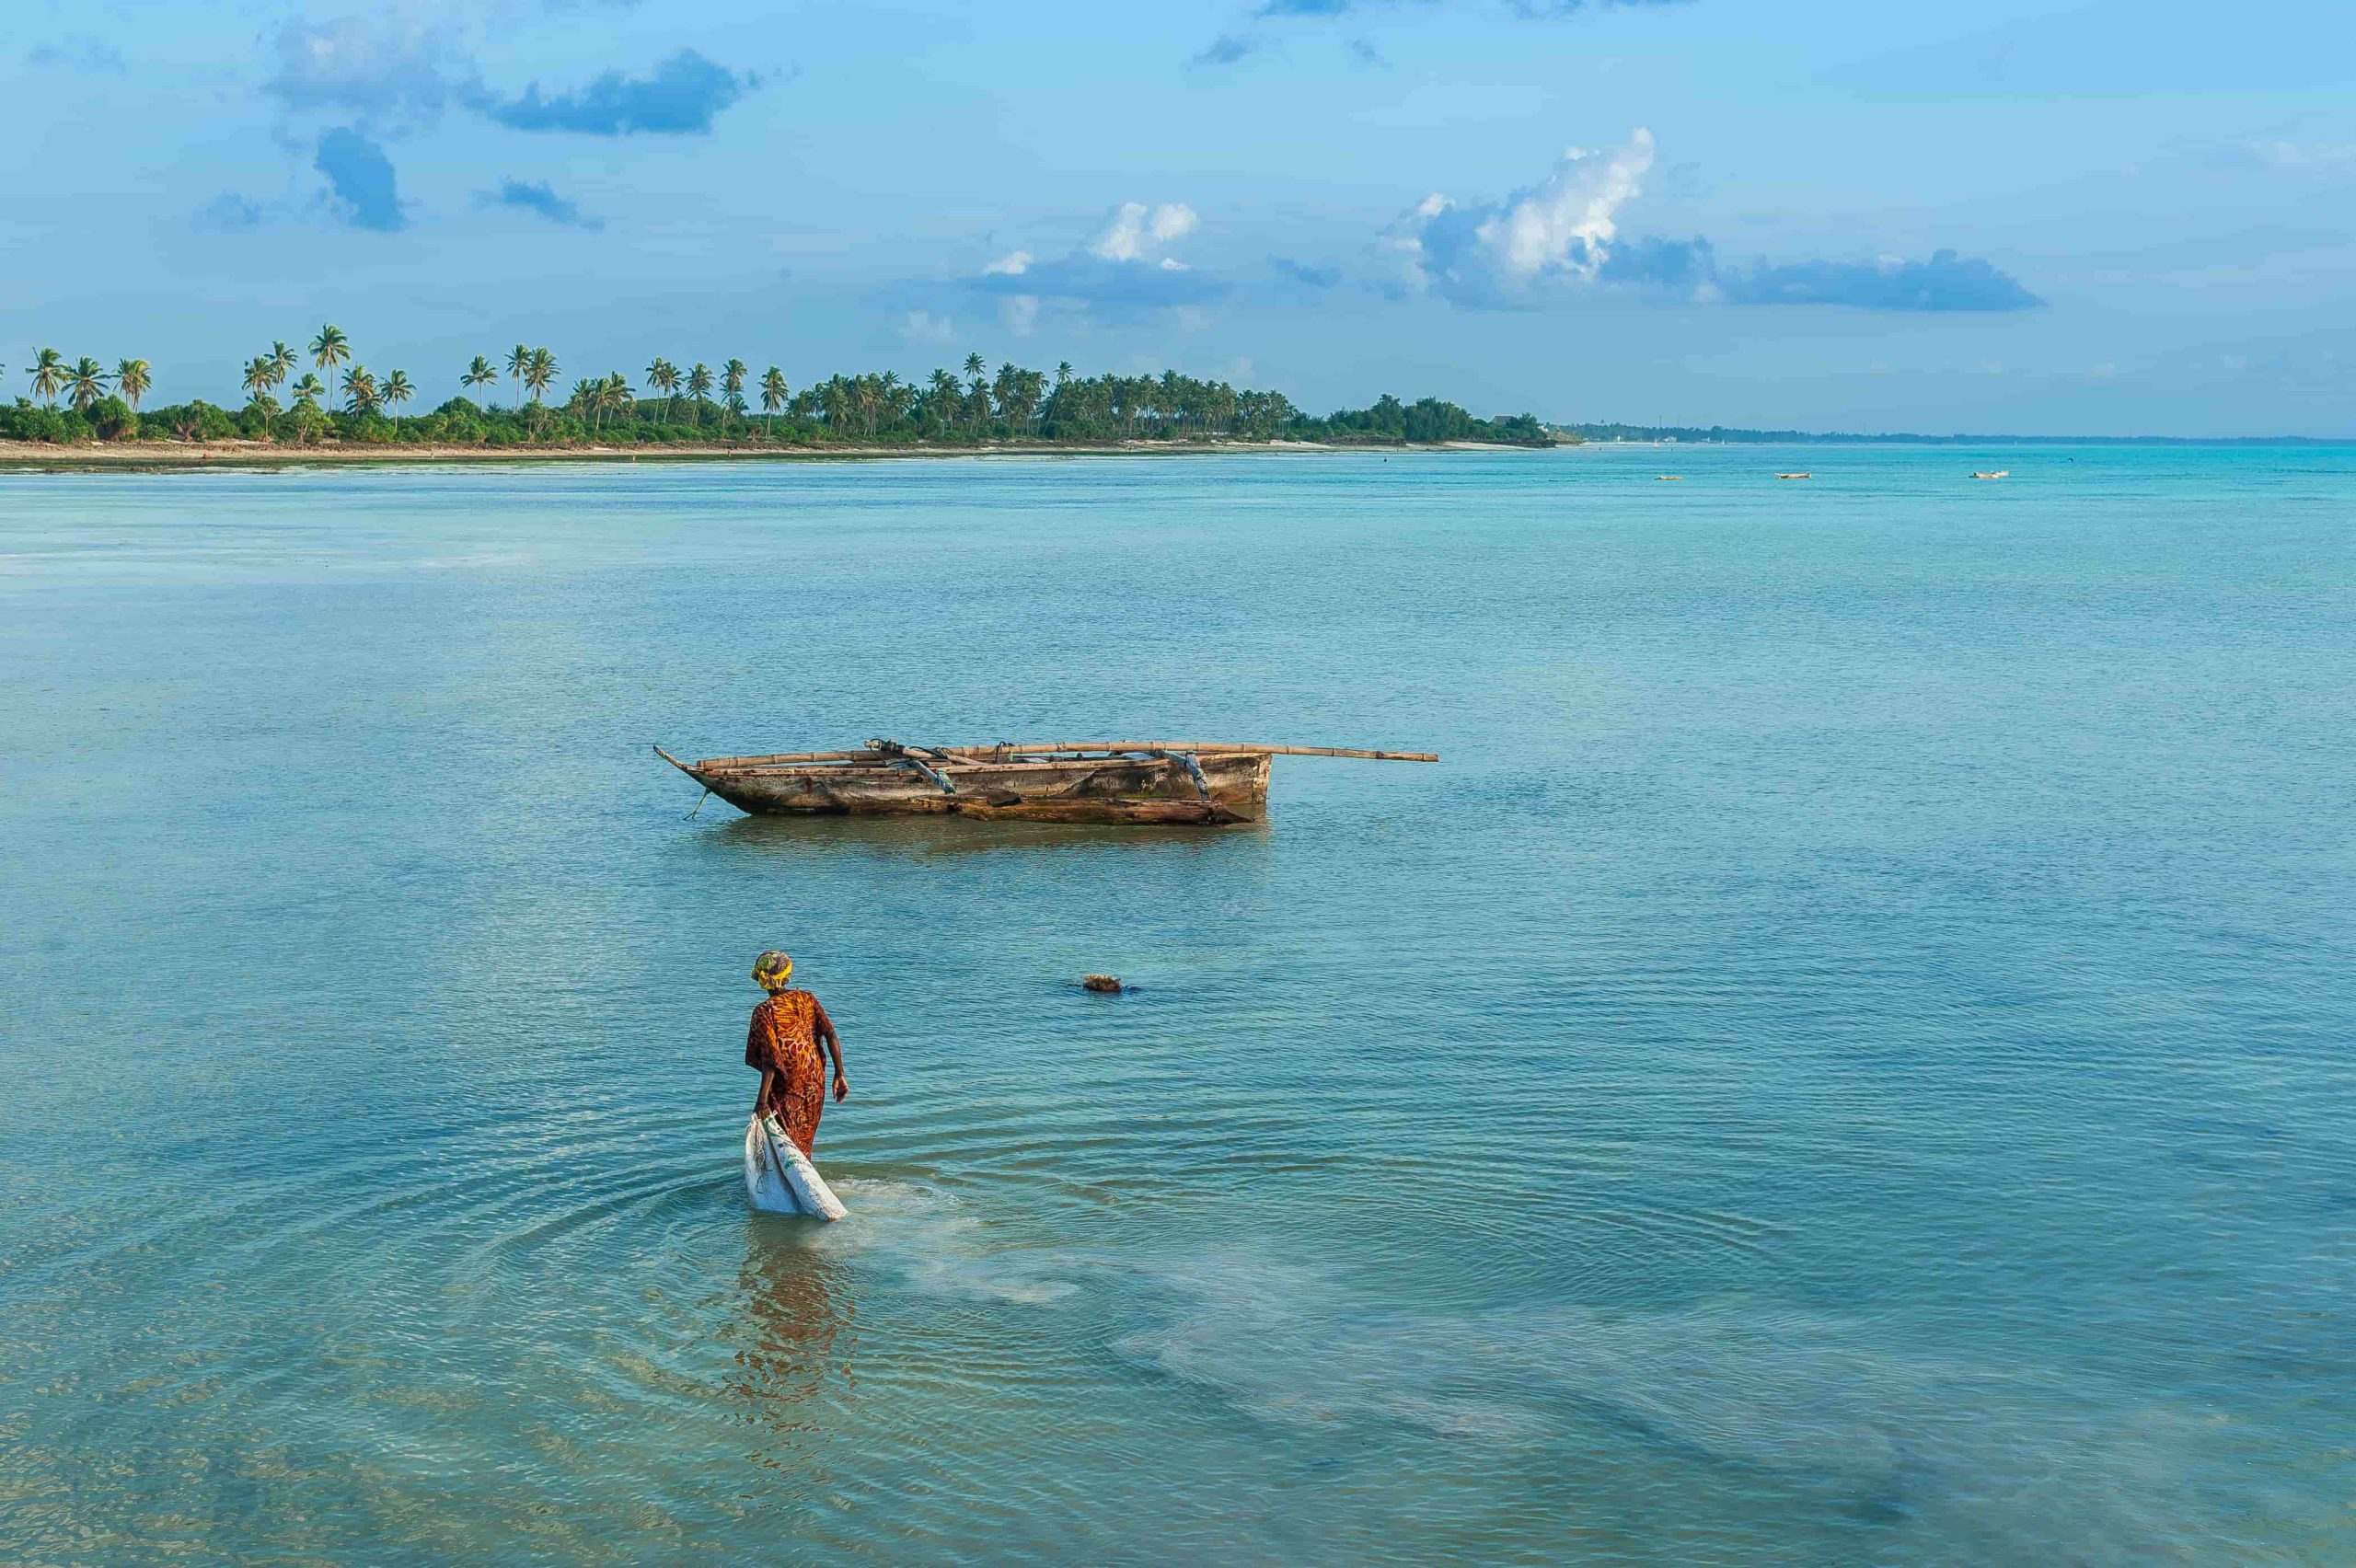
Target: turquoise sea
x: 1847, y: 1061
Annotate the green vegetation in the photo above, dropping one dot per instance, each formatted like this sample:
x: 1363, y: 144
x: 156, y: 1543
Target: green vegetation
x: 699, y: 407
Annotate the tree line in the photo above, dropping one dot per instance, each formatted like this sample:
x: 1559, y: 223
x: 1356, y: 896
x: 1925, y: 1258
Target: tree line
x: 701, y: 406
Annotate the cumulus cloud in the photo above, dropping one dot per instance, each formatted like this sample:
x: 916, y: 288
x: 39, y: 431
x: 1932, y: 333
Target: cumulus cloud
x: 372, y: 70
x: 1135, y: 230
x: 361, y: 180
x: 1508, y: 252
x: 1948, y: 281
x: 924, y: 327
x: 1115, y: 290
x: 539, y: 197
x: 1123, y: 271
x: 382, y: 70
x: 1555, y: 240
x: 1945, y: 282
x: 679, y: 97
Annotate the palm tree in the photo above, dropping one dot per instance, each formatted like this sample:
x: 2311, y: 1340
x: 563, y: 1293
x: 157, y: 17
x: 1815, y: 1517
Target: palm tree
x: 664, y: 376
x: 479, y: 373
x: 48, y: 375
x: 360, y: 389
x: 331, y: 348
x: 538, y: 372
x: 773, y: 395
x: 282, y: 363
x: 131, y: 379
x: 592, y: 399
x: 307, y: 392
x: 255, y: 381
x: 86, y: 381
x: 946, y: 396
x: 732, y: 383
x: 975, y: 370
x: 699, y: 387
x: 516, y: 363
x: 397, y: 390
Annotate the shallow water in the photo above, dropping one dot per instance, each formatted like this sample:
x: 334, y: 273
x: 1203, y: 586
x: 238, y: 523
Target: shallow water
x: 1845, y: 1061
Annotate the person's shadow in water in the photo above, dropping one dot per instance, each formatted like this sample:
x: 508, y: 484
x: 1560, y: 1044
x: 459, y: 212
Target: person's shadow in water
x: 791, y: 1335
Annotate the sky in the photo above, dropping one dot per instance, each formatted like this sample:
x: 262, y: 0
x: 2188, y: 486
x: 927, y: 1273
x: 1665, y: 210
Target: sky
x: 2110, y: 218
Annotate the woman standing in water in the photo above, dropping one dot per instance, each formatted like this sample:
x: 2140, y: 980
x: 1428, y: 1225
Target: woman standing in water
x: 784, y: 1046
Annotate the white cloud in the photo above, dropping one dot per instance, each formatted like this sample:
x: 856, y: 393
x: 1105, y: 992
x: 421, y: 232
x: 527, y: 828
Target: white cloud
x: 1135, y: 230
x: 1562, y: 228
x: 1173, y: 220
x: 369, y: 67
x: 924, y: 327
x: 1122, y: 271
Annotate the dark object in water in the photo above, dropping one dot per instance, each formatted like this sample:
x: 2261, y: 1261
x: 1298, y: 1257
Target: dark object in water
x: 1104, y: 781
x: 1105, y: 983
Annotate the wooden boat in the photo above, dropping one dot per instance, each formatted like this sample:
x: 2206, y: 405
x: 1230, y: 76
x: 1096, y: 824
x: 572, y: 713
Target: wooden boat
x: 1104, y: 781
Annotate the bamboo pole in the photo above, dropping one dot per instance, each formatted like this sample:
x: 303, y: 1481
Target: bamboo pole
x: 984, y: 756
x: 1212, y: 746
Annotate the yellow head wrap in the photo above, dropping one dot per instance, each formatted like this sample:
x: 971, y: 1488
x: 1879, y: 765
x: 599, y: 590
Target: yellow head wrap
x: 772, y: 968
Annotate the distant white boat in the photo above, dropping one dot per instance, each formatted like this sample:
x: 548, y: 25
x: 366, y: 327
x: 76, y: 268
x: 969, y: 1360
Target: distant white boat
x: 1999, y: 473
x: 1796, y: 476
x: 1671, y: 476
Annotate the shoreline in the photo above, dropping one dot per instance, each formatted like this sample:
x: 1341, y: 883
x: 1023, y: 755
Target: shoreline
x: 34, y: 456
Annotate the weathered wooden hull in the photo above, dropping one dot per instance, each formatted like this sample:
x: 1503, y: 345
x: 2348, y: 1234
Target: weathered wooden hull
x: 1234, y: 788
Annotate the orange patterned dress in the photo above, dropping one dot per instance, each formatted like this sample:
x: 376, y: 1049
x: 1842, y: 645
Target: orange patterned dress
x: 784, y: 1038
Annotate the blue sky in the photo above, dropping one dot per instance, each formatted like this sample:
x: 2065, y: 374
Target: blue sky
x: 2108, y: 218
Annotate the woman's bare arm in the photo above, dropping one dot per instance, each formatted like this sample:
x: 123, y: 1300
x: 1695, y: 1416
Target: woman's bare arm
x: 834, y: 1046
x: 768, y: 1076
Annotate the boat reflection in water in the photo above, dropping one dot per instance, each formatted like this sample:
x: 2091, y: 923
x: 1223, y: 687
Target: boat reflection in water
x: 923, y: 839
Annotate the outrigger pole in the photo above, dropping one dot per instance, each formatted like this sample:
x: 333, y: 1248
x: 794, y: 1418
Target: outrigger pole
x: 999, y: 751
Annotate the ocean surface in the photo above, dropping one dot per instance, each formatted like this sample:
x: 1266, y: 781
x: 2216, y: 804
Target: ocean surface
x: 1846, y: 1061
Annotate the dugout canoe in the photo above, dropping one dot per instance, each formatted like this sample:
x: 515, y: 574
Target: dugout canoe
x: 1098, y: 782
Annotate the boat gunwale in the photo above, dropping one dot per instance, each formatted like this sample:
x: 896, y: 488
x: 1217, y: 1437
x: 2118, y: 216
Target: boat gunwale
x: 958, y: 766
